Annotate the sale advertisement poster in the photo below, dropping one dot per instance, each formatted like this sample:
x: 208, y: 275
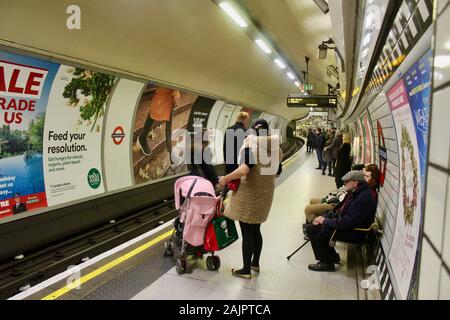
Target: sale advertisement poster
x: 25, y: 85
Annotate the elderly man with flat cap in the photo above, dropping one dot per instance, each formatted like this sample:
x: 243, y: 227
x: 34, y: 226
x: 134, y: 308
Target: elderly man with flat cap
x: 357, y: 210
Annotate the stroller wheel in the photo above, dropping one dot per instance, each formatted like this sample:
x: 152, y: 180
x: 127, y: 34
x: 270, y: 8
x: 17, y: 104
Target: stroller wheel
x: 216, y: 261
x: 210, y: 263
x: 168, y: 245
x: 168, y: 252
x: 181, y: 266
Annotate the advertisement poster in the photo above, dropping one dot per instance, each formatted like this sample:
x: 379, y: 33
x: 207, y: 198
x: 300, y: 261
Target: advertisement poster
x: 368, y: 142
x: 73, y: 134
x: 118, y: 132
x: 418, y: 86
x: 219, y: 120
x: 403, y: 251
x: 24, y: 90
x: 382, y: 152
x: 160, y: 112
x: 361, y: 154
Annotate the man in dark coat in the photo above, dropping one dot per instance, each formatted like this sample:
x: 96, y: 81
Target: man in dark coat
x: 18, y: 207
x: 310, y: 141
x: 232, y: 143
x: 357, y: 210
x: 320, y: 145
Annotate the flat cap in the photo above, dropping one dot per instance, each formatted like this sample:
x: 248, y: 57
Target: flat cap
x: 353, y: 176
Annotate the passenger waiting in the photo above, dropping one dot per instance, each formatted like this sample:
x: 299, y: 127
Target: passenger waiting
x: 343, y: 161
x: 320, y: 145
x: 233, y: 139
x: 251, y: 202
x: 317, y: 207
x: 357, y: 210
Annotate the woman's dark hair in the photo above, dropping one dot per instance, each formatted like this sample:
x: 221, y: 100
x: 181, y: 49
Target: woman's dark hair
x: 261, y: 127
x: 376, y: 175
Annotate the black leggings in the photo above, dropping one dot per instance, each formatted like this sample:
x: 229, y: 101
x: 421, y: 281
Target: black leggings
x: 252, y: 243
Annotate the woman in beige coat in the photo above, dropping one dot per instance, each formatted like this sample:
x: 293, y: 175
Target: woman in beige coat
x: 260, y: 162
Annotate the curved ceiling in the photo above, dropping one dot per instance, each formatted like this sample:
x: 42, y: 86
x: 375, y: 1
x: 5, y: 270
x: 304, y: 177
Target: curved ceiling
x: 192, y: 44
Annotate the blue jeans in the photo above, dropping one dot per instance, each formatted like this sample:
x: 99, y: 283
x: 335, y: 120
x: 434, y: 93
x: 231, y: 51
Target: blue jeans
x: 320, y: 157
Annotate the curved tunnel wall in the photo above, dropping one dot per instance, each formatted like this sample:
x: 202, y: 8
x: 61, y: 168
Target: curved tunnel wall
x: 70, y: 134
x: 391, y: 129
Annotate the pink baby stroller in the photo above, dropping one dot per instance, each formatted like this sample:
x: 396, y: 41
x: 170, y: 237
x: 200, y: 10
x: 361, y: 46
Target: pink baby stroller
x: 196, y: 200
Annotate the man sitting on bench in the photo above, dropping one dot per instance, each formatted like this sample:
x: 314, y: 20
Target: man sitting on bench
x: 357, y: 210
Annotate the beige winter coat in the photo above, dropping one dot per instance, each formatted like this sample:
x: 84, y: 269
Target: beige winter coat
x: 252, y: 201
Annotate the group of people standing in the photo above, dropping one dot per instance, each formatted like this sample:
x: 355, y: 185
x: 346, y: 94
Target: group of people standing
x: 333, y: 152
x: 251, y: 184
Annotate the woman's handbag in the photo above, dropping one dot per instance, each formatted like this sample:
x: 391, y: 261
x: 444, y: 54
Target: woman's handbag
x: 221, y: 232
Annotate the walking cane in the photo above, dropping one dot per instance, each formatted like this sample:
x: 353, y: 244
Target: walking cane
x: 304, y: 244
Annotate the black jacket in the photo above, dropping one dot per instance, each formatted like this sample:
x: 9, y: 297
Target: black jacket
x: 356, y: 211
x: 236, y: 147
x: 203, y: 169
x: 22, y: 208
x: 343, y: 163
x: 320, y: 141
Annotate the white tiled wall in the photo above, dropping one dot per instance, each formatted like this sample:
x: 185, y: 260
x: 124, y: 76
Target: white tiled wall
x: 434, y: 279
x: 430, y: 268
x: 440, y: 130
x: 435, y: 206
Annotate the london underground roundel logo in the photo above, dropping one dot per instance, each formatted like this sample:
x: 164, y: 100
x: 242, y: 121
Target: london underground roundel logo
x: 118, y: 135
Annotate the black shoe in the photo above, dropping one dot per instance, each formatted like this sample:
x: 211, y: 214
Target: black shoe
x: 143, y: 144
x: 323, y: 173
x: 331, y: 175
x: 241, y: 274
x: 318, y: 168
x: 322, y: 267
x: 337, y: 259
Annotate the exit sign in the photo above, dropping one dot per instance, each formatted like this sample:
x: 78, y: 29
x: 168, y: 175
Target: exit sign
x: 309, y: 86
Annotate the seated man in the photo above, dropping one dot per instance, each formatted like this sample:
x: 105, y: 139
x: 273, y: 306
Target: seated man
x: 357, y: 210
x: 318, y: 207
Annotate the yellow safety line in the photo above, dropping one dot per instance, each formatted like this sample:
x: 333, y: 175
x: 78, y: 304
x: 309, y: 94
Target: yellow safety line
x: 106, y: 267
x: 119, y: 260
x: 289, y: 162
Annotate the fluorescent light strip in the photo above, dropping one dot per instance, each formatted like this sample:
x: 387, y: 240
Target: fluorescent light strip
x: 263, y: 46
x: 297, y: 83
x: 290, y: 75
x: 279, y: 63
x: 233, y: 14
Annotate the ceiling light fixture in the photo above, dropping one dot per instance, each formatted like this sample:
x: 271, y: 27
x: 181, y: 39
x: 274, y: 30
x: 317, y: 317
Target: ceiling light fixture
x: 323, y: 5
x: 233, y: 14
x: 263, y: 46
x: 297, y: 83
x: 290, y: 75
x: 279, y: 63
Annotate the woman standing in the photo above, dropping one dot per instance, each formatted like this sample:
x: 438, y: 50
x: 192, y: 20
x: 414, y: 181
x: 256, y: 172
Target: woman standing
x: 251, y: 203
x: 343, y: 162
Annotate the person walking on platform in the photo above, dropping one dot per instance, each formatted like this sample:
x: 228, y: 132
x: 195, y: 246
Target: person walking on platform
x: 232, y: 142
x: 343, y: 161
x: 161, y: 109
x: 310, y: 141
x: 357, y: 210
x: 251, y: 202
x: 320, y: 145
